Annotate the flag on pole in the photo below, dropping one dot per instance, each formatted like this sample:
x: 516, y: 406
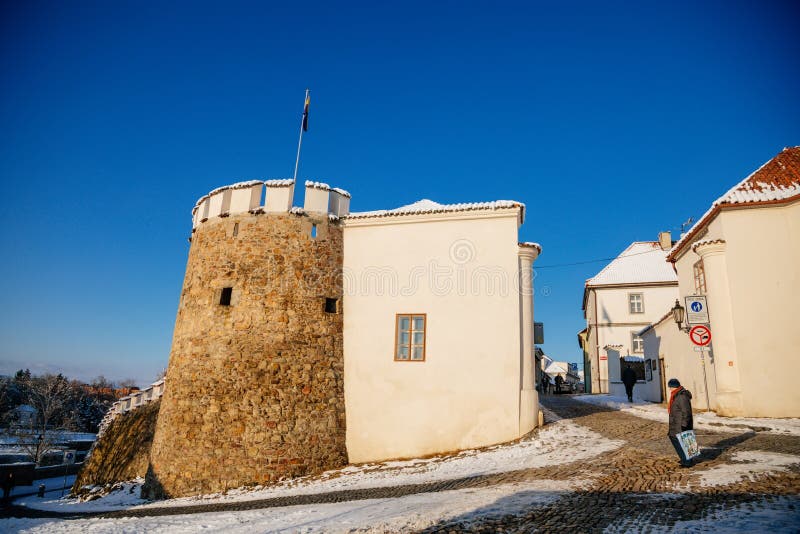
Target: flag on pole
x: 305, y: 112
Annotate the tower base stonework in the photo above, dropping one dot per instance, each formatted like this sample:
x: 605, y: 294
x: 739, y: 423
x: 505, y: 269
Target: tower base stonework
x: 256, y: 386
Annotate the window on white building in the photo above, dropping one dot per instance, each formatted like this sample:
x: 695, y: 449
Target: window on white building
x: 699, y: 278
x: 410, y: 342
x: 636, y: 302
x: 637, y: 344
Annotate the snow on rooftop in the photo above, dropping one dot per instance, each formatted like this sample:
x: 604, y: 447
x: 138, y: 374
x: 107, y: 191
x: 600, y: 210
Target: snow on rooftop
x: 317, y: 185
x: 642, y: 261
x: 429, y: 206
x: 777, y: 179
x: 279, y: 182
x: 237, y: 185
x: 531, y: 244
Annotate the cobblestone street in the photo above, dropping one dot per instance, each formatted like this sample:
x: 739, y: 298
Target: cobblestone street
x: 640, y: 485
x: 636, y: 487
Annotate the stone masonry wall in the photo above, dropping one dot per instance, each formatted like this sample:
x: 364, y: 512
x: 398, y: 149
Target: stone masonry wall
x: 123, y: 451
x: 256, y: 389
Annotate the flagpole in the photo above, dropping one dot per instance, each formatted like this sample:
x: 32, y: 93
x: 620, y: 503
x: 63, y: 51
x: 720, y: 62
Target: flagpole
x: 300, y: 142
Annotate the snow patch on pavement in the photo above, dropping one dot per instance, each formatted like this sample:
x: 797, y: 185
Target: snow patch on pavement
x: 125, y: 495
x: 748, y: 465
x: 704, y: 420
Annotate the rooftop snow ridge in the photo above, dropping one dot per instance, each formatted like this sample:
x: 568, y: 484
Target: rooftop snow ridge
x: 429, y: 206
x: 777, y: 179
x: 238, y: 185
x: 531, y: 244
x: 341, y: 192
x: 279, y: 182
x: 317, y: 185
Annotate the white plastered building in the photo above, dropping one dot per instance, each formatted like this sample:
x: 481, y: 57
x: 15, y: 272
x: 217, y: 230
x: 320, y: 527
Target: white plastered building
x: 627, y: 295
x: 743, y: 254
x: 438, y: 319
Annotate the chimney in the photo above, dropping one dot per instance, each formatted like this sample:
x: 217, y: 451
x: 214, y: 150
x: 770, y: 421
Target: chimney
x: 665, y: 240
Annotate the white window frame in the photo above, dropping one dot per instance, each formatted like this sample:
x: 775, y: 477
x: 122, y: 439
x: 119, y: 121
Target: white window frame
x: 630, y: 302
x: 633, y: 343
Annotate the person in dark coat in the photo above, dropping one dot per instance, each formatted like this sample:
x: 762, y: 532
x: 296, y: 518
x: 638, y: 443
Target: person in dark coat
x: 680, y: 416
x: 559, y: 383
x: 8, y: 484
x: 629, y: 379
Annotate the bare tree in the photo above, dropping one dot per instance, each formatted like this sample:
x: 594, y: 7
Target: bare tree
x: 48, y: 395
x: 129, y: 383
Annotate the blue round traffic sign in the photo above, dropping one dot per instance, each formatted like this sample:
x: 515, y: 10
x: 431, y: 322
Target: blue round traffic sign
x: 696, y: 306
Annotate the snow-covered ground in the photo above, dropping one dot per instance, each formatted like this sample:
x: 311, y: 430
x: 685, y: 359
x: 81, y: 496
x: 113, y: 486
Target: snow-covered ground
x: 747, y: 465
x: 561, y: 441
x: 704, y: 420
x: 50, y: 485
x: 399, y: 514
x: 557, y: 443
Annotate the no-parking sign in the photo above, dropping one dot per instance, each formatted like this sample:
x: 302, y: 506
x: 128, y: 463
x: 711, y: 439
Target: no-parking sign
x: 700, y: 335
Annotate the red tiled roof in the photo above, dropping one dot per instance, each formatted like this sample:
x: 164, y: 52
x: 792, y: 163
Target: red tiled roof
x: 777, y: 181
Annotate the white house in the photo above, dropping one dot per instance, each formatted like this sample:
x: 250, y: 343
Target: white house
x: 744, y: 256
x: 565, y: 371
x: 618, y: 302
x: 25, y: 414
x: 438, y: 320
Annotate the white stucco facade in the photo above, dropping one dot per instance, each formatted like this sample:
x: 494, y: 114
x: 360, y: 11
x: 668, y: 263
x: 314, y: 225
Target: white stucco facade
x: 752, y: 271
x: 612, y: 320
x: 462, y: 270
x: 676, y: 358
x: 748, y: 249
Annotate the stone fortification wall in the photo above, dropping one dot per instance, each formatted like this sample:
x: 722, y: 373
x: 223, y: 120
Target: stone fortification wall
x: 123, y: 451
x: 256, y: 389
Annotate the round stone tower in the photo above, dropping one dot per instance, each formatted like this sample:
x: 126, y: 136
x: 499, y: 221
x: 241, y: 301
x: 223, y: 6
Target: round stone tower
x: 255, y: 378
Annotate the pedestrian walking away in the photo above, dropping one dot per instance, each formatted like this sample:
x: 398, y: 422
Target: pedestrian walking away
x: 629, y: 379
x: 8, y: 486
x: 680, y: 417
x: 559, y: 383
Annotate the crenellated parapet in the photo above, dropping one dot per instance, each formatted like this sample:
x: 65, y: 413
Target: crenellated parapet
x: 135, y: 400
x: 270, y: 196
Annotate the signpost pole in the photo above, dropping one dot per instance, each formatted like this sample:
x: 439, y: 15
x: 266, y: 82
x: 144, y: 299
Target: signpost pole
x: 705, y: 380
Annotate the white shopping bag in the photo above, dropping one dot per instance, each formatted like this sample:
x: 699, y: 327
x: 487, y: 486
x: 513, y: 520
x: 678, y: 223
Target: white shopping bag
x: 688, y: 442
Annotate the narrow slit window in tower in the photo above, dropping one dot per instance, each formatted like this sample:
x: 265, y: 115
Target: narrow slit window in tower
x: 225, y: 296
x: 313, y: 231
x: 330, y: 305
x: 235, y: 229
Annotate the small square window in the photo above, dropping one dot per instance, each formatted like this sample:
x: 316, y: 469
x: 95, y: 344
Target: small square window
x: 225, y: 296
x: 636, y: 302
x: 330, y: 305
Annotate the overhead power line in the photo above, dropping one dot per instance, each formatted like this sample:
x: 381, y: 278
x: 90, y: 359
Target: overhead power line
x: 589, y: 261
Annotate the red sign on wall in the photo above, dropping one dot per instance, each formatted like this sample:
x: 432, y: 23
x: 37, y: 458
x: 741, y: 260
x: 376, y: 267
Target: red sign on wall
x: 700, y: 335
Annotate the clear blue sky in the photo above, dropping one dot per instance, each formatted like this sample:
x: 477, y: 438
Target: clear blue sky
x: 611, y: 121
